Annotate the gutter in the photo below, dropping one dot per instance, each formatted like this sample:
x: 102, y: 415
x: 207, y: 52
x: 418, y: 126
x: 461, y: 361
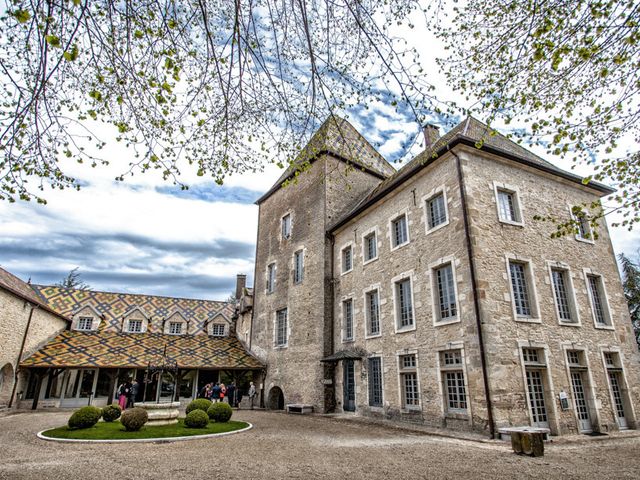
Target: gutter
x: 24, y: 341
x: 476, y: 301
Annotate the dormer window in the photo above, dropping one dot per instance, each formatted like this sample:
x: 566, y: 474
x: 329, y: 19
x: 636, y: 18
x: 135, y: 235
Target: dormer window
x: 217, y: 330
x: 85, y: 324
x: 135, y: 326
x: 175, y: 328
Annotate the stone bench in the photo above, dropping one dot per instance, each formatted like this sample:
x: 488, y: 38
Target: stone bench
x: 526, y: 440
x: 299, y: 408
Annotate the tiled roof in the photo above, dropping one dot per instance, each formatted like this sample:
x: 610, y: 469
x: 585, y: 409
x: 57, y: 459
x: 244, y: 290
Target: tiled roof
x: 113, y: 306
x: 105, y: 349
x: 338, y: 137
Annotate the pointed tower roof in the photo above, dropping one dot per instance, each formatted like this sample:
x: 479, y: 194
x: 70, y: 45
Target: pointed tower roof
x: 338, y: 138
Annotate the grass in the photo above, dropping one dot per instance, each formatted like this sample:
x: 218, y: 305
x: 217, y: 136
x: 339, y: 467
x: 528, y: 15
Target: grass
x: 115, y: 431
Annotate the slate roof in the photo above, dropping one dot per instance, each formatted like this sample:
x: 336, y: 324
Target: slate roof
x: 106, y: 349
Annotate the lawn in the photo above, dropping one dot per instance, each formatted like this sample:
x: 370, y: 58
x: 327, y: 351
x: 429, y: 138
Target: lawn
x: 115, y: 431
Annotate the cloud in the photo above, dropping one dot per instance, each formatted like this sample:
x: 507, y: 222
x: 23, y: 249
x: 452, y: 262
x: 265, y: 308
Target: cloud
x: 212, y: 193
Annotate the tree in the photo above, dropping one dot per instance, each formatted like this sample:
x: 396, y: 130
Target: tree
x: 631, y: 286
x: 73, y: 280
x: 569, y: 70
x: 223, y: 86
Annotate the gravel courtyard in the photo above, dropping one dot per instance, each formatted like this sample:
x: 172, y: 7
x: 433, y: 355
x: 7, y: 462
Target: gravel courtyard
x: 302, y: 447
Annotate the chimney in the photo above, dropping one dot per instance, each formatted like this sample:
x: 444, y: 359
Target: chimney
x: 241, y: 283
x: 431, y: 135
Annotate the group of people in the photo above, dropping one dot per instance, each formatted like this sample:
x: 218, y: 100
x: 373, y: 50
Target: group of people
x: 127, y: 393
x: 219, y: 392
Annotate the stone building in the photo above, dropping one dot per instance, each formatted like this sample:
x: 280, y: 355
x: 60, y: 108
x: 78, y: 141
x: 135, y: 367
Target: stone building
x: 431, y: 294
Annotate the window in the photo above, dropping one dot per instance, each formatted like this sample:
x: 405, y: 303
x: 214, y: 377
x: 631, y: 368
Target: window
x: 598, y: 300
x: 455, y: 394
x: 298, y: 266
x: 271, y: 277
x: 583, y: 227
x: 573, y: 358
x: 409, y: 382
x: 372, y: 300
x: 135, y: 326
x: 175, y: 328
x: 85, y: 323
x: 508, y: 207
x: 399, y: 234
x: 531, y: 356
x: 436, y: 211
x: 610, y: 359
x: 446, y: 308
x: 520, y: 289
x: 375, y: 382
x: 286, y: 226
x: 217, y: 329
x: 370, y: 246
x: 404, y: 306
x: 563, y: 295
x: 347, y: 316
x: 281, y: 328
x: 347, y: 259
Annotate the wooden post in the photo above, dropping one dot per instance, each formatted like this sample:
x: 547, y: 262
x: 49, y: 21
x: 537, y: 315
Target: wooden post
x: 36, y: 395
x: 113, y: 377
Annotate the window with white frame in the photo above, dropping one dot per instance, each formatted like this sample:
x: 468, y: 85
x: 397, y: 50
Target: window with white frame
x: 298, y: 266
x: 281, y: 328
x: 375, y: 381
x: 563, y: 295
x: 399, y: 232
x: 271, y: 277
x: 597, y: 295
x: 175, y: 328
x: 286, y: 226
x: 446, y: 305
x: 85, y: 323
x: 135, y: 326
x: 347, y: 316
x: 523, y: 300
x: 347, y: 259
x: 217, y: 329
x: 436, y: 211
x: 372, y: 308
x: 508, y: 205
x: 404, y: 304
x: 409, y: 381
x: 583, y: 224
x: 370, y: 246
x: 452, y: 370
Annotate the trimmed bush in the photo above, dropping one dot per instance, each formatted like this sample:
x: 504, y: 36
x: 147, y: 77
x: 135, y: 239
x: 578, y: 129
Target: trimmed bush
x: 220, y: 412
x: 111, y: 413
x: 199, y: 404
x: 86, y: 417
x: 196, y: 419
x: 134, y: 418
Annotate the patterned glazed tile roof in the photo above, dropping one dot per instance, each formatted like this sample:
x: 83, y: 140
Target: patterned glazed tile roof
x: 13, y: 284
x: 338, y: 137
x: 106, y: 349
x: 113, y: 306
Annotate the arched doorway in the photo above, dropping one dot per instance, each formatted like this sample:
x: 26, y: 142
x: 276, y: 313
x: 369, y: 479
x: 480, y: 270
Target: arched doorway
x: 6, y: 382
x: 275, y: 400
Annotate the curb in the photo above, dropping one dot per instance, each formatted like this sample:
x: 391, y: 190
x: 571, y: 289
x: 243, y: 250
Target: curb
x: 142, y: 440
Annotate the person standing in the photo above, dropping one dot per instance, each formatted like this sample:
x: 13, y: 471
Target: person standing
x: 122, y: 396
x: 223, y: 392
x: 135, y: 388
x: 231, y: 394
x: 252, y: 393
x: 127, y: 391
x: 215, y: 393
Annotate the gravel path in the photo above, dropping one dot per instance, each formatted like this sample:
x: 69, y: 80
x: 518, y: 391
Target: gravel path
x: 302, y: 447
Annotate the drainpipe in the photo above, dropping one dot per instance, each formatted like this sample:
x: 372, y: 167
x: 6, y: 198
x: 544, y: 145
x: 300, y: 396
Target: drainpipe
x: 476, y: 300
x: 24, y: 341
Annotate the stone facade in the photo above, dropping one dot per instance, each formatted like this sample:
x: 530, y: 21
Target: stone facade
x: 437, y: 315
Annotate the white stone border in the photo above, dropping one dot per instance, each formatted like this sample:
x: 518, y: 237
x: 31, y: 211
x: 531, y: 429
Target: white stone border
x: 142, y: 440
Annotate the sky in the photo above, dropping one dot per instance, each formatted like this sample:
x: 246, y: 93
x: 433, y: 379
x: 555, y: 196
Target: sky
x: 146, y: 236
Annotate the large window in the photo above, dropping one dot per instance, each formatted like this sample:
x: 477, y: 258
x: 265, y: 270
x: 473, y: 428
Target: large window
x: 271, y: 277
x: 508, y: 206
x: 563, y: 295
x: 298, y: 266
x: 446, y: 306
x: 347, y: 259
x: 436, y: 211
x: 399, y: 233
x: 455, y: 395
x: 598, y: 301
x: 286, y: 226
x: 372, y: 308
x: 521, y: 277
x: 85, y: 323
x: 347, y: 315
x: 281, y: 328
x: 404, y: 304
x: 375, y: 382
x: 370, y: 246
x: 409, y: 381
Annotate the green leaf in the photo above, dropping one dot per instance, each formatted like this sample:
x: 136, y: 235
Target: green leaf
x: 53, y: 40
x: 22, y: 16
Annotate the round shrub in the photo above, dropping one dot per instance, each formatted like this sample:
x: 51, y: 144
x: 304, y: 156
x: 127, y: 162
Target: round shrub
x: 111, y: 413
x: 134, y: 418
x: 196, y: 419
x: 86, y: 417
x: 220, y: 412
x: 199, y: 404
